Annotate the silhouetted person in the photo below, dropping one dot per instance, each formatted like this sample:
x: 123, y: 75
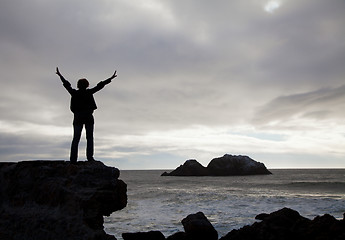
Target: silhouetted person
x: 82, y: 105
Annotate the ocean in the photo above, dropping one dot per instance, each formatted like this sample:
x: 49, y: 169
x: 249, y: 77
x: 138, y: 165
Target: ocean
x: 160, y: 203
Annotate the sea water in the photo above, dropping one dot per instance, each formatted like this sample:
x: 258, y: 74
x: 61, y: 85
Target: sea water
x: 160, y: 203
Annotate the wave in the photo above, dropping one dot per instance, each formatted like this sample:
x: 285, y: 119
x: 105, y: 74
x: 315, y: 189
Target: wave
x: 317, y: 183
x: 329, y: 187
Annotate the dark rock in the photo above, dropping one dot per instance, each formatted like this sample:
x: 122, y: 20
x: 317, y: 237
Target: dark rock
x: 189, y: 168
x: 228, y: 165
x: 325, y: 227
x: 165, y: 174
x: 262, y: 216
x: 58, y: 200
x: 152, y: 235
x: 289, y: 224
x: 178, y: 236
x: 198, y: 227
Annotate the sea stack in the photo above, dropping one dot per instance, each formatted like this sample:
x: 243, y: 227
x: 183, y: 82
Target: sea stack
x: 190, y: 168
x: 58, y: 200
x: 228, y: 165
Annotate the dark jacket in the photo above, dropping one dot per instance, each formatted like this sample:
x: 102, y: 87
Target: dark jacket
x: 82, y: 100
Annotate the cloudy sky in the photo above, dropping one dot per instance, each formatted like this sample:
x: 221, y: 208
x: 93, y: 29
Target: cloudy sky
x: 196, y: 79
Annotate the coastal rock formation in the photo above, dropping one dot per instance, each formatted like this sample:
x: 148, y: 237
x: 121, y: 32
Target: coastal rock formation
x: 286, y: 224
x: 189, y: 168
x: 197, y: 226
x: 228, y: 165
x: 58, y: 200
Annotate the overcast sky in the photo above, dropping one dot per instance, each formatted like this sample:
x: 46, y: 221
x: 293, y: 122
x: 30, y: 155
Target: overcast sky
x: 196, y: 80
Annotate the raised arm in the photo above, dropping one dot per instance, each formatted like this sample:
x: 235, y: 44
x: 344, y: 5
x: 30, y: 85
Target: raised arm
x: 111, y: 78
x: 66, y: 83
x: 101, y: 84
x: 60, y: 75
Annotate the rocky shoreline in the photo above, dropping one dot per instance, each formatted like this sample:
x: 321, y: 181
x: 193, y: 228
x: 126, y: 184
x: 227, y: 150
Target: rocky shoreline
x: 56, y: 200
x: 284, y: 224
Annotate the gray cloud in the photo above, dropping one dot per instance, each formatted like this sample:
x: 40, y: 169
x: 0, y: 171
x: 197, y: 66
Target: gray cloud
x: 326, y: 103
x: 199, y: 63
x: 20, y: 147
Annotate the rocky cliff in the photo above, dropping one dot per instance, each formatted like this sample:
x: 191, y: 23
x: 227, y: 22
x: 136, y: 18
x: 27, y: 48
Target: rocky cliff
x: 228, y: 165
x: 58, y: 200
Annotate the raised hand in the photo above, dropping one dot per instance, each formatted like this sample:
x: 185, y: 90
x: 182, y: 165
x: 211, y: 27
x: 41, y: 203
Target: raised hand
x: 107, y: 81
x: 114, y: 75
x: 58, y: 72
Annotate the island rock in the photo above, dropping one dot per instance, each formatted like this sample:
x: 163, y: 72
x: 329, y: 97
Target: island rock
x: 228, y: 165
x: 189, y: 168
x: 58, y: 200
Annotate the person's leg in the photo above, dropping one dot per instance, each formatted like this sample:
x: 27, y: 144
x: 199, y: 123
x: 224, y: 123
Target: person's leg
x: 89, y: 139
x: 75, y: 142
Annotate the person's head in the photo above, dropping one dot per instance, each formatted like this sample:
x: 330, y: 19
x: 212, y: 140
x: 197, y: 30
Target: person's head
x: 83, y: 83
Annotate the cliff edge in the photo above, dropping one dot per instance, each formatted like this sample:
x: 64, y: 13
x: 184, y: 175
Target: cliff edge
x: 58, y: 200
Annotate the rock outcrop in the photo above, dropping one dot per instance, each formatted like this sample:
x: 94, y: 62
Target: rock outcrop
x: 228, y: 165
x: 58, y: 200
x: 284, y: 224
x: 197, y: 226
x: 190, y: 168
